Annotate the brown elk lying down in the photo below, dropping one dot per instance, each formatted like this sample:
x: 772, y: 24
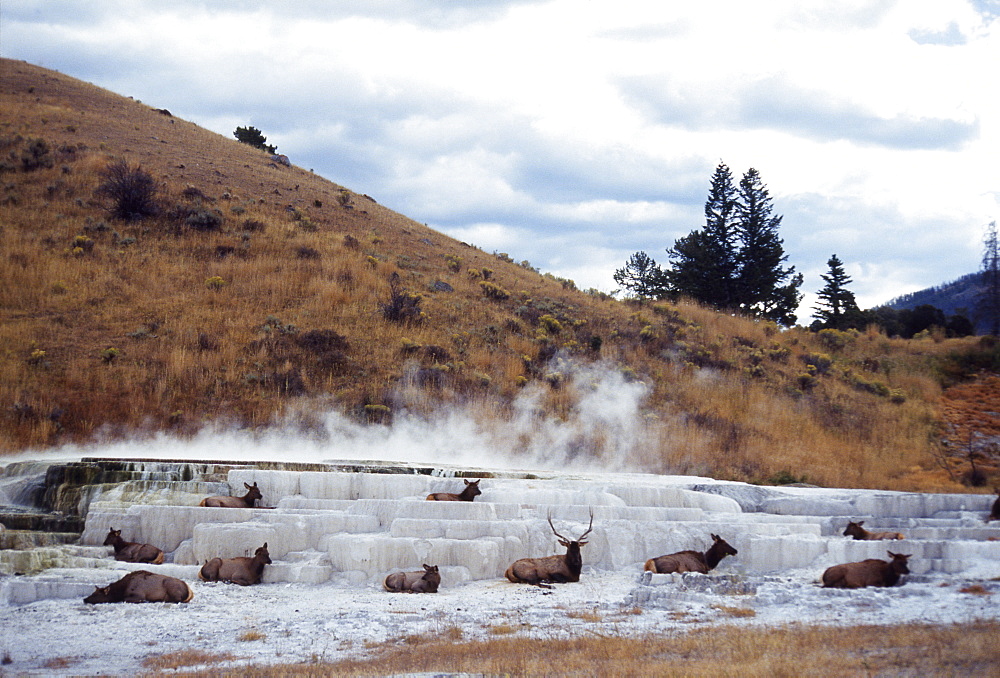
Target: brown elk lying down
x: 871, y: 572
x: 995, y: 511
x: 246, y: 501
x: 559, y: 568
x: 143, y: 587
x: 861, y: 534
x: 426, y: 581
x: 132, y: 552
x: 692, y: 561
x: 244, y: 571
x: 470, y: 492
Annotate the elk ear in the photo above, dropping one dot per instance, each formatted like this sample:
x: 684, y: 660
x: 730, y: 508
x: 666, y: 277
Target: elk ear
x: 265, y: 545
x: 715, y: 537
x: 467, y: 482
x: 246, y: 485
x: 860, y: 523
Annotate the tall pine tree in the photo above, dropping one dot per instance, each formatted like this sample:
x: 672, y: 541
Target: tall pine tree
x: 734, y: 263
x: 703, y: 264
x: 988, y: 299
x: 764, y: 287
x: 837, y: 308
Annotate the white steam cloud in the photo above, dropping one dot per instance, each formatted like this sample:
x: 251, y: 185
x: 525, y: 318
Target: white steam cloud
x: 600, y: 427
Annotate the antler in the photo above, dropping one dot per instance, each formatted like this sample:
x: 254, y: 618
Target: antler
x: 589, y: 528
x: 563, y: 540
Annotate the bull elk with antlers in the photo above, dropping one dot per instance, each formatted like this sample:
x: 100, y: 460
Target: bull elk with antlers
x: 558, y: 568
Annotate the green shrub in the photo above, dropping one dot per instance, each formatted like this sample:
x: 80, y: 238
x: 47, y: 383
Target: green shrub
x: 550, y: 324
x: 204, y: 220
x: 493, y: 291
x: 821, y: 362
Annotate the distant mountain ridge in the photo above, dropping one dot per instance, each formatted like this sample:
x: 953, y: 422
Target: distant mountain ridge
x: 957, y: 297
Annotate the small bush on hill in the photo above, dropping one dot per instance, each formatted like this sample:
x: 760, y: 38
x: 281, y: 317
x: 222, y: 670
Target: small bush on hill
x: 402, y: 306
x: 204, y: 220
x: 132, y: 191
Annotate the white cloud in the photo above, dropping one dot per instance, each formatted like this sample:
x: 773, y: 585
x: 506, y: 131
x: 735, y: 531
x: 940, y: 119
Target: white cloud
x: 573, y: 134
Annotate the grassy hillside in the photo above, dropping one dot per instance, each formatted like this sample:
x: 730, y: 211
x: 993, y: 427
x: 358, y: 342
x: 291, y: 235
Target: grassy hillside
x: 260, y: 291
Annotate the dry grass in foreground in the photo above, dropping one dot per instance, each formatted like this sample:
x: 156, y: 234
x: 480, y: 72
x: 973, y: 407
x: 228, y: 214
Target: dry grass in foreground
x: 910, y: 649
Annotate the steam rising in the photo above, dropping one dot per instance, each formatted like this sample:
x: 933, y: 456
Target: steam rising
x: 601, y: 428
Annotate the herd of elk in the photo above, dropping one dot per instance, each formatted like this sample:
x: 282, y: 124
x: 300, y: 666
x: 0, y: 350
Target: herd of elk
x: 870, y: 572
x: 470, y: 492
x: 425, y: 581
x: 559, y: 568
x: 861, y: 534
x: 132, y: 552
x: 245, y: 571
x: 692, y: 561
x: 248, y: 500
x: 142, y: 587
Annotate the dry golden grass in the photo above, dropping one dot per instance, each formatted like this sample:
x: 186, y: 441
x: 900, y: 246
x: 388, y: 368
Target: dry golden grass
x: 729, y: 397
x: 182, y: 658
x: 251, y: 635
x: 912, y: 649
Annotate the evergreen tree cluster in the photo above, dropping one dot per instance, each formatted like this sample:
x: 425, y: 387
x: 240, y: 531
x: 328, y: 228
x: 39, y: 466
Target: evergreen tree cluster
x: 252, y: 136
x: 735, y: 263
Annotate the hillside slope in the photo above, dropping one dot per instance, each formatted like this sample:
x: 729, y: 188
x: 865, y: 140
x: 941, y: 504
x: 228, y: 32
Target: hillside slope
x: 264, y: 294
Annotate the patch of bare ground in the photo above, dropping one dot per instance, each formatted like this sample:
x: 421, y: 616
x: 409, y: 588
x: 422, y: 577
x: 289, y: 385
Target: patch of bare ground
x: 905, y: 650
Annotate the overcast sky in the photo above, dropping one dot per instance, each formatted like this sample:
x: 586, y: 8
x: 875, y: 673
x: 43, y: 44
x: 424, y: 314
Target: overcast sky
x: 572, y: 133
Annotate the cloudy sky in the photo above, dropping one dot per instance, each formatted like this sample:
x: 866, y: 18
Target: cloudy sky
x: 572, y: 133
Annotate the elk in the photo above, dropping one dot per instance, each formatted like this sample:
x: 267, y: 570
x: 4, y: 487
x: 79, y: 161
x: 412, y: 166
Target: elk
x: 414, y: 582
x: 470, y: 492
x: 558, y: 568
x: 692, y: 561
x: 142, y: 586
x: 871, y: 572
x: 995, y: 511
x: 861, y: 534
x: 246, y: 501
x: 244, y: 571
x: 132, y: 552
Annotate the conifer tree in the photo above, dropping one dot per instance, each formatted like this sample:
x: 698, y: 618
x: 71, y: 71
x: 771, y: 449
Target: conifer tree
x: 703, y: 263
x: 734, y: 263
x: 643, y: 276
x: 764, y: 287
x: 988, y: 299
x: 254, y: 137
x: 837, y: 308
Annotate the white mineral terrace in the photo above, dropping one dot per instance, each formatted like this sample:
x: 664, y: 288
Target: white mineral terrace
x: 356, y: 527
x: 334, y: 535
